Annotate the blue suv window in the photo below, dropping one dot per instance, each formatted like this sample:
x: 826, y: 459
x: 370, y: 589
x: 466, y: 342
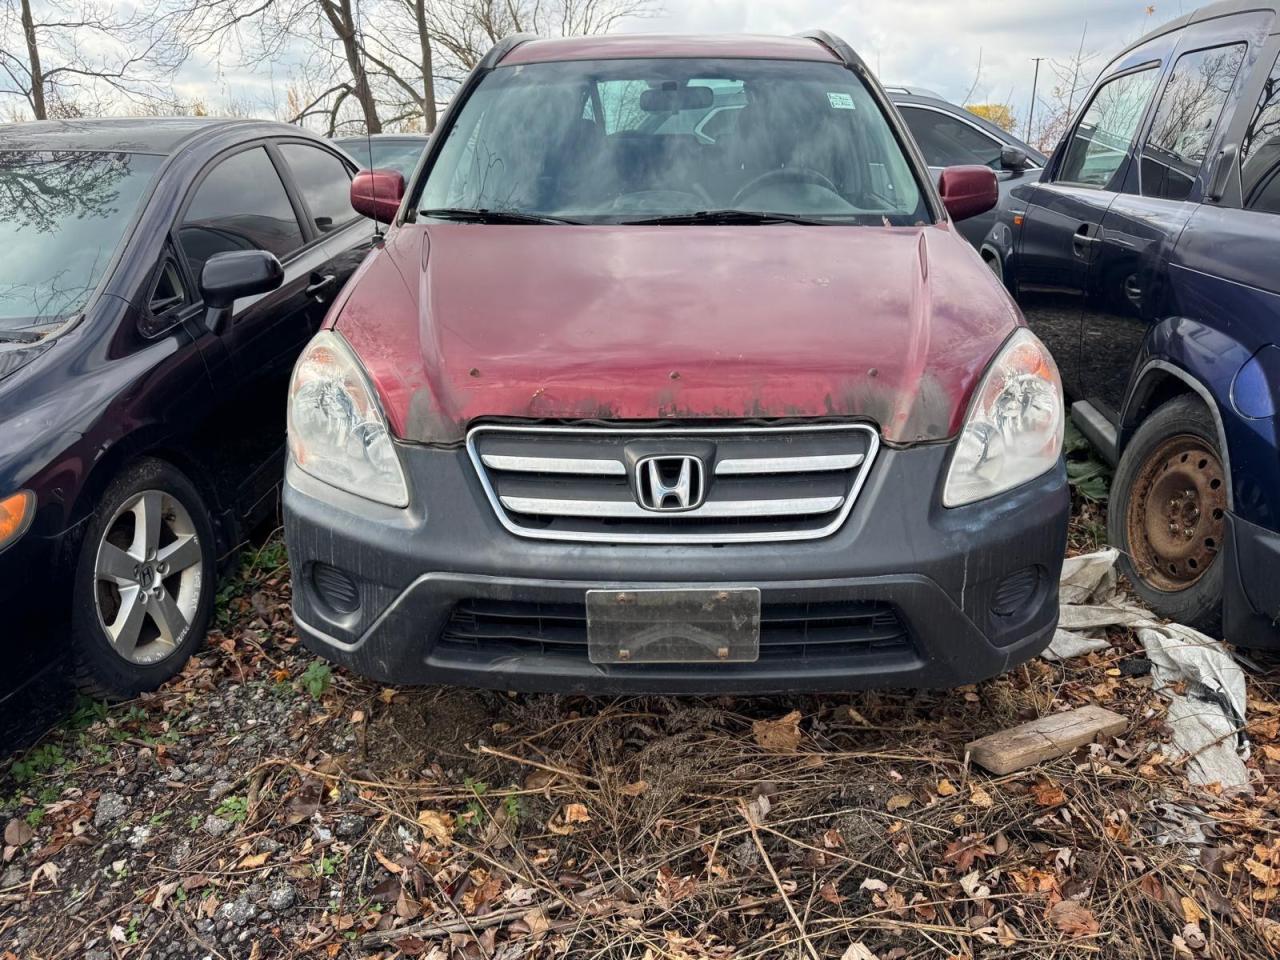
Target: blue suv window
x: 1185, y: 120
x: 1101, y: 141
x: 1260, y: 150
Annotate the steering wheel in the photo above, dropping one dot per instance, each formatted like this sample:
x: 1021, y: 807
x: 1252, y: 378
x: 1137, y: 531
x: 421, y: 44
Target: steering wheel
x: 797, y: 174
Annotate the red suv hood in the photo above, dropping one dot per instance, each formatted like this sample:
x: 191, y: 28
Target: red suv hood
x: 460, y: 321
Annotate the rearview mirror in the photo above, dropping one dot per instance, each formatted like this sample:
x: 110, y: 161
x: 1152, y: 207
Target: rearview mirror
x: 669, y: 99
x: 227, y: 277
x: 968, y: 190
x: 376, y: 194
x: 1014, y: 158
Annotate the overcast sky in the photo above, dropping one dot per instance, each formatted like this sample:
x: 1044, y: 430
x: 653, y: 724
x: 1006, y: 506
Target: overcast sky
x: 929, y: 43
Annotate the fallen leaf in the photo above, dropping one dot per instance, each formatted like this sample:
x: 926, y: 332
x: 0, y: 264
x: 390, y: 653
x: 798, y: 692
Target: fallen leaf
x: 1260, y: 871
x: 829, y: 893
x: 563, y: 822
x: 17, y: 833
x: 537, y: 922
x: 255, y: 860
x: 969, y: 884
x: 163, y: 893
x: 899, y: 801
x: 965, y: 851
x: 1191, y: 911
x: 634, y: 789
x: 436, y: 825
x: 856, y: 951
x: 1048, y: 794
x: 388, y: 864
x: 387, y: 694
x: 980, y: 798
x: 1073, y: 918
x: 874, y: 885
x: 946, y: 788
x: 778, y: 736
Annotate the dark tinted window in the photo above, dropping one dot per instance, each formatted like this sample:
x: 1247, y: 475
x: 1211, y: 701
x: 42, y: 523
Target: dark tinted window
x: 1102, y: 138
x: 1189, y: 109
x: 240, y: 205
x: 946, y: 141
x: 324, y: 182
x: 1260, y: 150
x: 62, y: 215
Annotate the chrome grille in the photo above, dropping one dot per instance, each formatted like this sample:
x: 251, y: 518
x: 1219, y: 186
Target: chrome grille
x: 763, y: 483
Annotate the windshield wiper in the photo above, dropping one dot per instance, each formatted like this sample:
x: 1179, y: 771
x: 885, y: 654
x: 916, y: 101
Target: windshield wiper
x: 18, y: 336
x: 727, y: 218
x: 464, y: 215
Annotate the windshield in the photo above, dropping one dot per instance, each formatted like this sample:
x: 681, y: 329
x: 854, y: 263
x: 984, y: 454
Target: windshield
x: 399, y: 155
x: 616, y: 141
x: 62, y: 214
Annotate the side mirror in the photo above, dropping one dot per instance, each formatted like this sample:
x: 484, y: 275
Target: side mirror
x: 376, y: 194
x: 227, y: 277
x: 968, y: 190
x: 1014, y: 158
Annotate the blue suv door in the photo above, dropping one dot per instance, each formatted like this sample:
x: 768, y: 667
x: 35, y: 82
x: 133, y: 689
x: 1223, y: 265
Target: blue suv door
x: 1062, y: 223
x: 1128, y: 290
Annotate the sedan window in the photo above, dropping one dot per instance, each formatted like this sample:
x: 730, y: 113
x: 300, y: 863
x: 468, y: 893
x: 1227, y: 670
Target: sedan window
x: 946, y: 141
x: 240, y: 205
x: 62, y: 215
x: 325, y: 184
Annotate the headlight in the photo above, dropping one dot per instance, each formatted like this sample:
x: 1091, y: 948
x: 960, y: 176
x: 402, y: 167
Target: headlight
x: 337, y: 432
x: 1013, y: 432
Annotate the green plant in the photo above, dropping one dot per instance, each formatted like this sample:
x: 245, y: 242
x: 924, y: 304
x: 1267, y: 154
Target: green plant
x: 39, y: 761
x: 316, y: 678
x: 233, y: 809
x: 1087, y: 473
x: 35, y: 818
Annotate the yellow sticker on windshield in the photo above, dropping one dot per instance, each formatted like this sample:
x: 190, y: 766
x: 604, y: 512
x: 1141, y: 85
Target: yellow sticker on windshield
x: 840, y: 101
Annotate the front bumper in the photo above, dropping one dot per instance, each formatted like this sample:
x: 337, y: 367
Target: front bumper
x: 1250, y: 587
x: 942, y: 575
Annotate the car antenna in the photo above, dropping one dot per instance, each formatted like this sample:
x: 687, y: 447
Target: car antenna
x: 368, y: 134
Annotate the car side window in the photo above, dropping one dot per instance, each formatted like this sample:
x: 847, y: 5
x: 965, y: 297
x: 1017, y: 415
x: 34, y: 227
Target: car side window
x: 1260, y: 150
x: 946, y: 141
x: 1188, y: 112
x: 325, y: 184
x: 166, y: 295
x: 240, y: 205
x: 1102, y: 139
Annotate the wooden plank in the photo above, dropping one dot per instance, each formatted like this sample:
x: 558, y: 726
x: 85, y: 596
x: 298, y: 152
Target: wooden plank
x: 1051, y: 736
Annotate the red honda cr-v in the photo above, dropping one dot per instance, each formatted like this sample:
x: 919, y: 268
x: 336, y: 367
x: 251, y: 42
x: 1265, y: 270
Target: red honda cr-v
x: 672, y: 373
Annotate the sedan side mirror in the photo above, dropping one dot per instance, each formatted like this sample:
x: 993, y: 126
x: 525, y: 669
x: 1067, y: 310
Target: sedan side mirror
x: 968, y: 190
x: 1014, y: 158
x: 227, y: 277
x: 376, y: 194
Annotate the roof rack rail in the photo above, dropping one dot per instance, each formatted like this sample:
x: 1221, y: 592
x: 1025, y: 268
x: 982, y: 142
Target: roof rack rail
x: 837, y: 46
x: 504, y: 47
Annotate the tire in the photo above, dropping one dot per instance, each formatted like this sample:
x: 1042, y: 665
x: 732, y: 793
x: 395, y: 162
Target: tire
x: 1167, y: 514
x: 145, y: 576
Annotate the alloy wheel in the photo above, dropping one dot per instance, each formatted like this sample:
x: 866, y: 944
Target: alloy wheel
x: 148, y: 575
x: 1175, y: 517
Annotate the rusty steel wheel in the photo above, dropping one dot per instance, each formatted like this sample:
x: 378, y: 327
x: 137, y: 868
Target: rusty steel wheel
x: 1168, y: 513
x: 1176, y: 513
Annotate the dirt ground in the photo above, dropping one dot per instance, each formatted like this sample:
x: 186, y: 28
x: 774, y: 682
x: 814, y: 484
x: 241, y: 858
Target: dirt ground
x: 263, y: 806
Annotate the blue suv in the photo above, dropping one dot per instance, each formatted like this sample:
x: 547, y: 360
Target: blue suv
x: 1147, y: 257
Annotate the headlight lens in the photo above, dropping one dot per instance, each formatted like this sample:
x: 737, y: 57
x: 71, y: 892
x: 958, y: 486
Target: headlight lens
x: 16, y: 512
x: 1013, y: 432
x: 337, y: 432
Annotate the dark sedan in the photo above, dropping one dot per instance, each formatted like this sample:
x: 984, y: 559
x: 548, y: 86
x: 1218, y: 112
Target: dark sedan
x: 948, y: 135
x: 157, y: 281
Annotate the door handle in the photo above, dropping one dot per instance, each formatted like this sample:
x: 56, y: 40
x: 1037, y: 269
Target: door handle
x: 1085, y: 237
x: 320, y: 285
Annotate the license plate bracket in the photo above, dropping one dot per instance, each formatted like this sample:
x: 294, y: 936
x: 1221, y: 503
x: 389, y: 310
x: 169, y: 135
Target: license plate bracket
x: 681, y: 625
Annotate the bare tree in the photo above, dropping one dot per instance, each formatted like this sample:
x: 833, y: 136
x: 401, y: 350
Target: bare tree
x: 66, y: 57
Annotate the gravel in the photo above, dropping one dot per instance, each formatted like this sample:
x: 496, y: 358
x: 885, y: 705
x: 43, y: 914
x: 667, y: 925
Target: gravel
x: 111, y: 807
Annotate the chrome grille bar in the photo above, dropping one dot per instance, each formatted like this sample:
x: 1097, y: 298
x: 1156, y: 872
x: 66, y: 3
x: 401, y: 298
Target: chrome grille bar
x: 581, y: 465
x: 715, y: 510
x: 767, y: 465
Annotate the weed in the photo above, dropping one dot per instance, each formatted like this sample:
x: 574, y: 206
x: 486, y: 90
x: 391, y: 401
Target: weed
x: 1088, y: 475
x: 233, y: 809
x: 39, y: 761
x: 317, y: 678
